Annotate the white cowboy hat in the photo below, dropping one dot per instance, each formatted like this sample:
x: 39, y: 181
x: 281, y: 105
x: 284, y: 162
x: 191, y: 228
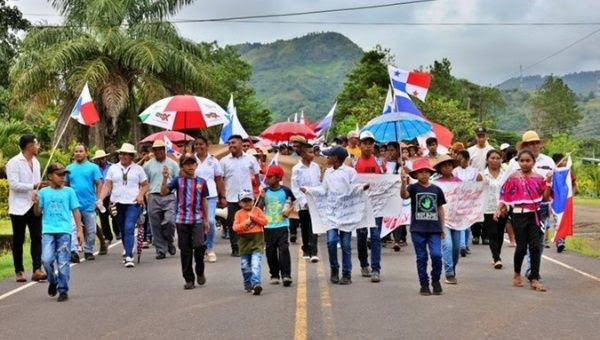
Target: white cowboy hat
x: 127, y: 148
x: 99, y: 154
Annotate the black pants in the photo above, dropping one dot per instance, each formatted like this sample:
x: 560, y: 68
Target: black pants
x: 478, y: 230
x: 527, y: 235
x: 232, y: 208
x: 495, y: 233
x: 278, y: 252
x: 309, y: 240
x: 294, y: 226
x: 400, y: 234
x: 105, y: 221
x: 191, y: 248
x: 19, y: 222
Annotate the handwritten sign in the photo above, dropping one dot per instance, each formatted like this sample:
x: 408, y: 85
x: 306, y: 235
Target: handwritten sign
x: 384, y: 193
x: 390, y: 223
x: 464, y: 203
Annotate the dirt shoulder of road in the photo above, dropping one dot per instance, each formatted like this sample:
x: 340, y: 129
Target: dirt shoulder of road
x: 587, y: 222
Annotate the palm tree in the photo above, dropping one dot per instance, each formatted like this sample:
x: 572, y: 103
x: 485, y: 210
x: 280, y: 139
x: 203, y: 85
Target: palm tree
x: 124, y: 49
x: 9, y: 136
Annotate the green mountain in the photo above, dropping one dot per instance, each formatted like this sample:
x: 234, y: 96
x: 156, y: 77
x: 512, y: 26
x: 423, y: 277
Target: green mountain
x: 304, y: 73
x: 582, y: 83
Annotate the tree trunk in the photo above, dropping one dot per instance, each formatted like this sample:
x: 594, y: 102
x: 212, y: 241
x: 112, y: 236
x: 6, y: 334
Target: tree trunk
x: 63, y: 119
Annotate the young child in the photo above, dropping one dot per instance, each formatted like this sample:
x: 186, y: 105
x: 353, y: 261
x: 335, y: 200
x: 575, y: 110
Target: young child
x: 249, y: 224
x: 426, y: 225
x: 191, y: 217
x: 277, y: 202
x: 338, y: 180
x: 467, y: 173
x: 58, y: 206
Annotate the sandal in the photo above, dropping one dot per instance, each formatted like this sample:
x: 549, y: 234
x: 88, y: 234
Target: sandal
x: 517, y: 282
x: 537, y: 286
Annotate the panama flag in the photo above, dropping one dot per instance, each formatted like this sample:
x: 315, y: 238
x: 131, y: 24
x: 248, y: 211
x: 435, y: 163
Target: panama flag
x: 325, y: 123
x: 170, y: 148
x: 399, y: 102
x: 414, y: 83
x: 84, y: 111
x: 233, y: 125
x: 562, y: 201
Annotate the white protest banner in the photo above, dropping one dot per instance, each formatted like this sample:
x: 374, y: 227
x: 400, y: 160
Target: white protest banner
x: 464, y: 203
x: 384, y: 193
x: 390, y: 223
x: 345, y: 212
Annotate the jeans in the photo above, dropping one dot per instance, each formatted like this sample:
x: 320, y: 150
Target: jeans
x: 127, y: 216
x: 56, y: 248
x: 74, y: 239
x: 89, y: 231
x: 278, y: 252
x: 19, y: 223
x: 335, y: 236
x: 232, y: 208
x: 422, y: 241
x: 465, y: 236
x: 529, y: 237
x: 161, y: 212
x: 450, y: 251
x: 251, y: 269
x: 361, y: 246
x: 309, y: 240
x: 190, y: 238
x: 212, y: 222
x: 495, y: 233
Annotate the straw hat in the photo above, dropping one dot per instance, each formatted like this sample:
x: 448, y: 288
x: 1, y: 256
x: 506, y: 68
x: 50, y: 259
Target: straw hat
x: 529, y: 137
x: 443, y: 159
x: 297, y: 138
x: 127, y: 148
x: 159, y: 143
x: 99, y: 154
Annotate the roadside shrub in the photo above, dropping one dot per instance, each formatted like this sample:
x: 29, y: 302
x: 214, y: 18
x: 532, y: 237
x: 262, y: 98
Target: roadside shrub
x: 3, y: 198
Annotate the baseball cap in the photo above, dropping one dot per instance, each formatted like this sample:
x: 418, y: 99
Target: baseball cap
x: 275, y: 170
x: 480, y: 131
x: 504, y: 146
x: 352, y: 134
x: 186, y: 159
x: 57, y: 168
x: 245, y: 195
x: 366, y: 135
x: 337, y: 151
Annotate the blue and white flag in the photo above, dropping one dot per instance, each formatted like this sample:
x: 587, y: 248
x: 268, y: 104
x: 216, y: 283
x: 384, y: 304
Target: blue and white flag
x: 325, y: 123
x: 233, y: 125
x: 403, y: 103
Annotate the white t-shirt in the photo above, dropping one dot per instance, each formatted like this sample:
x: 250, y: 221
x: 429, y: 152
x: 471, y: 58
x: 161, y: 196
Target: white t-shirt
x: 304, y: 176
x: 125, y: 192
x: 492, y: 190
x: 477, y: 156
x: 208, y: 170
x: 468, y: 174
x: 339, y: 180
x: 238, y: 173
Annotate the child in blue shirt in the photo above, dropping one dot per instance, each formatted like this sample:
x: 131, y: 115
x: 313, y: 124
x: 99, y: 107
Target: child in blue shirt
x: 58, y: 206
x: 277, y: 207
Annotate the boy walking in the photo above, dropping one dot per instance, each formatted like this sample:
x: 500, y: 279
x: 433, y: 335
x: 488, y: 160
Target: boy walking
x: 191, y: 218
x: 249, y: 224
x: 427, y: 222
x: 277, y: 206
x: 58, y: 206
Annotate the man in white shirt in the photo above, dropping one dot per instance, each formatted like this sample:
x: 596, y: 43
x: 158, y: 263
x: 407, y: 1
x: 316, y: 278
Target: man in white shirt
x: 23, y: 174
x: 127, y: 184
x: 478, y: 152
x: 239, y: 169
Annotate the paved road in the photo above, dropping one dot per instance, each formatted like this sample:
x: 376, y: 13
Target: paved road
x: 148, y: 302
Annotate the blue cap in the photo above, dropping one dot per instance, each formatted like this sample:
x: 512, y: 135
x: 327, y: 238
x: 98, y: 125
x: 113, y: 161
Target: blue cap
x: 337, y: 151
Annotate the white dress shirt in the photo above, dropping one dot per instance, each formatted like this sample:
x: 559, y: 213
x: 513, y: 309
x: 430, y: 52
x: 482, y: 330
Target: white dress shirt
x: 304, y: 176
x: 238, y: 173
x: 21, y: 183
x: 478, y: 155
x: 468, y: 174
x: 125, y: 192
x: 208, y: 170
x: 339, y: 180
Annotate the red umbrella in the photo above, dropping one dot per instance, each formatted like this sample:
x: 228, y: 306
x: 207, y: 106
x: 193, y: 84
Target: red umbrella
x: 281, y: 132
x: 173, y: 136
x: 183, y: 112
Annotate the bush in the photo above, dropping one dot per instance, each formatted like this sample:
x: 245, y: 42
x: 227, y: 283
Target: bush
x: 3, y: 198
x: 588, y: 180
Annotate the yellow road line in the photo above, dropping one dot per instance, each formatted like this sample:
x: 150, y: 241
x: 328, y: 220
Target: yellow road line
x: 326, y: 312
x: 301, y: 321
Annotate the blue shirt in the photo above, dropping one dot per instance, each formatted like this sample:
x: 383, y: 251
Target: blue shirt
x: 104, y: 170
x: 275, y: 200
x: 424, y: 204
x: 57, y: 209
x: 83, y: 179
x: 190, y: 192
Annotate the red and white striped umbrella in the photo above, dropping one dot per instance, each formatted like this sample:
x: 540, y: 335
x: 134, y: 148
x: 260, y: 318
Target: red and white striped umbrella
x: 183, y: 112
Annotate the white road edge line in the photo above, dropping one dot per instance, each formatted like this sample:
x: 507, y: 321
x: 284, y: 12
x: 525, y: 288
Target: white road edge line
x: 32, y: 283
x: 588, y: 275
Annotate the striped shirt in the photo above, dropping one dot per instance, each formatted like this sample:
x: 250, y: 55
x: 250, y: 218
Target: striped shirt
x: 190, y: 192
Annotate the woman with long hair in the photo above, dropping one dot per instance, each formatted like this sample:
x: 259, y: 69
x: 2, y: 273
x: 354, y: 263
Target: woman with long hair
x: 492, y: 177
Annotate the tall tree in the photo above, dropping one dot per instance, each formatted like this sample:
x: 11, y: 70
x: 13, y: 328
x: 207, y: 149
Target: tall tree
x: 11, y: 21
x: 554, y: 108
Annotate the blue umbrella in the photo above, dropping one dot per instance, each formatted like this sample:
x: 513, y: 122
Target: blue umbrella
x: 397, y: 126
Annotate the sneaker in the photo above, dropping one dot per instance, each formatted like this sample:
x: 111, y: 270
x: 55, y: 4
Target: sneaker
x: 463, y: 253
x: 403, y: 244
x: 189, y: 285
x: 425, y: 291
x: 62, y: 297
x: 475, y: 240
x: 365, y: 272
x: 161, y: 256
x: 129, y: 262
x: 485, y: 241
x: 52, y: 289
x: 346, y: 279
x: 211, y: 257
x: 21, y: 277
x: 560, y: 248
x: 396, y: 247
x: 375, y: 277
x: 256, y: 290
x: 274, y: 280
x: 305, y: 255
x: 498, y: 264
x: 172, y: 250
x: 314, y: 259
x: 287, y: 281
x: 248, y: 289
x: 468, y: 250
x: 89, y: 257
x: 75, y: 257
x: 451, y: 280
x: 145, y: 245
x: 437, y: 288
x: 201, y: 279
x: 118, y: 236
x: 292, y: 238
x: 104, y: 248
x: 335, y: 277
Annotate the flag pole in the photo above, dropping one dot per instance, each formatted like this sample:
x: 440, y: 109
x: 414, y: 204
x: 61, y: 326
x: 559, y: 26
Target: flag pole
x: 60, y: 136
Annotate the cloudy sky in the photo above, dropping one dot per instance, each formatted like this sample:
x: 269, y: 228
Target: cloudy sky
x: 486, y: 55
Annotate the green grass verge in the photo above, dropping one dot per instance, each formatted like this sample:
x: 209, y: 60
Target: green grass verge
x: 581, y: 245
x: 593, y: 202
x: 7, y: 268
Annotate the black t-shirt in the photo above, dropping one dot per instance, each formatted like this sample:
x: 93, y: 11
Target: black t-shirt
x: 424, y: 206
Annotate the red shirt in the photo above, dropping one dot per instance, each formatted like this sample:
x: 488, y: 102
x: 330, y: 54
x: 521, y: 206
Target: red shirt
x: 369, y: 166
